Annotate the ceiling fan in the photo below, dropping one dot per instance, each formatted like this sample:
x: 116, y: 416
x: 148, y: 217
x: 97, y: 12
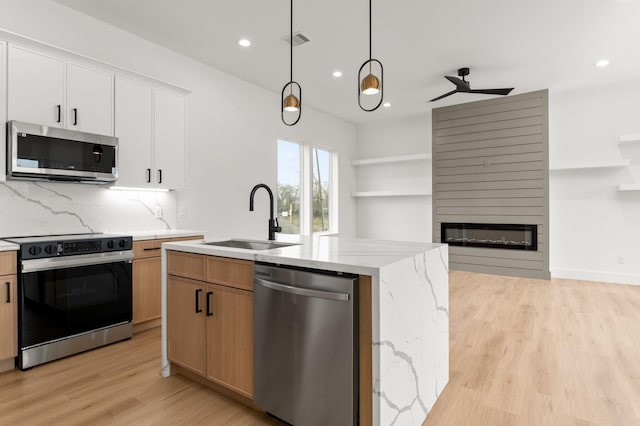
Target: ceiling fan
x: 463, y: 86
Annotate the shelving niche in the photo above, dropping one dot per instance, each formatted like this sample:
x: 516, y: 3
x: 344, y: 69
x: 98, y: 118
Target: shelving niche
x: 402, y: 185
x: 626, y: 140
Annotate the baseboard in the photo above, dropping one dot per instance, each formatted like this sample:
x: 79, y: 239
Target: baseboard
x: 144, y: 326
x: 7, y: 365
x: 600, y: 276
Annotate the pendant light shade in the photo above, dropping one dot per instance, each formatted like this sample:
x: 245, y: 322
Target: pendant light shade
x: 291, y: 102
x: 370, y: 85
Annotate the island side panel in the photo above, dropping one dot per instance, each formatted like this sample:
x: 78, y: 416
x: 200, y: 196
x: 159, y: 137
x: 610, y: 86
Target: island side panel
x: 365, y: 345
x: 413, y: 347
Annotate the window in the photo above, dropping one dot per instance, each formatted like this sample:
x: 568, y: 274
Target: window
x: 289, y: 179
x: 306, y: 189
x: 321, y: 190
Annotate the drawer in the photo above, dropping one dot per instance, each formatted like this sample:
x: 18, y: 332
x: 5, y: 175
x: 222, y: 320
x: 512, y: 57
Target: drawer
x: 8, y: 262
x: 186, y: 265
x: 231, y: 272
x: 148, y: 248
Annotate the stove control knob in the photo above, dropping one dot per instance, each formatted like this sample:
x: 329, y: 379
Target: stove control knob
x: 122, y: 243
x: 50, y: 249
x: 35, y: 250
x: 111, y: 244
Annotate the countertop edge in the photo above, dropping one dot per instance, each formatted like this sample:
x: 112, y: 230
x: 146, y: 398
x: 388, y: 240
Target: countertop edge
x: 4, y: 246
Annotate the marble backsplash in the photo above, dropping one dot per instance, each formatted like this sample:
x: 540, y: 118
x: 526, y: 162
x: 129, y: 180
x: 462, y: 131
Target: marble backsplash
x: 40, y: 208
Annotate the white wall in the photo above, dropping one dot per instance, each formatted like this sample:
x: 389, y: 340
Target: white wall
x: 591, y: 223
x: 232, y: 125
x: 395, y: 218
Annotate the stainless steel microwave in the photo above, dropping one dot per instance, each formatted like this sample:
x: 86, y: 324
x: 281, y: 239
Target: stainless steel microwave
x: 49, y: 153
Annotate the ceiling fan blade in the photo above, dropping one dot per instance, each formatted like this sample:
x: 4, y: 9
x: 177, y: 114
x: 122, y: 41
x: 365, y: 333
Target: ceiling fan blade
x: 444, y: 96
x: 460, y: 84
x: 492, y: 91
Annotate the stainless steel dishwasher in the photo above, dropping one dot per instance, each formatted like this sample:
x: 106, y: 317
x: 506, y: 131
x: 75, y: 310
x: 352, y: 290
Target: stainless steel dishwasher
x: 305, y: 345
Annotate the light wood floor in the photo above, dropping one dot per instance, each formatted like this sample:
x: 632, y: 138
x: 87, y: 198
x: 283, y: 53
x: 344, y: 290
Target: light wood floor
x: 533, y: 352
x: 523, y: 352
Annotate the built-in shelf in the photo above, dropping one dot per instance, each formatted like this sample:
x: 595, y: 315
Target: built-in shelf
x: 628, y: 139
x: 629, y: 187
x: 391, y: 160
x: 592, y: 165
x: 391, y: 194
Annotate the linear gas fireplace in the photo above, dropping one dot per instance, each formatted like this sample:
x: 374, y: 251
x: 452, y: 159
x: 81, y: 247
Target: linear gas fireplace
x: 501, y: 236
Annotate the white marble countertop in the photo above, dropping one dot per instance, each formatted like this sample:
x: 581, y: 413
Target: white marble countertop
x: 160, y: 234
x: 6, y: 246
x: 330, y: 253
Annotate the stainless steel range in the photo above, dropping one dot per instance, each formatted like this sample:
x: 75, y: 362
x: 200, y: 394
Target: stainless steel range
x: 75, y: 294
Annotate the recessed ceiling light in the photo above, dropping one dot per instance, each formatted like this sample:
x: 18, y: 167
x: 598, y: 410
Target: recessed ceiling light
x: 337, y: 74
x: 386, y: 104
x: 602, y: 63
x: 244, y: 42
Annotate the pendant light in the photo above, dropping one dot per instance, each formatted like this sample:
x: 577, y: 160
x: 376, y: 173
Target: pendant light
x: 290, y: 102
x: 370, y: 84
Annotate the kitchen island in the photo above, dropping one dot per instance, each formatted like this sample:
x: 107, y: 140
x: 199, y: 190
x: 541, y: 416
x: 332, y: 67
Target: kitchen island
x: 404, y: 315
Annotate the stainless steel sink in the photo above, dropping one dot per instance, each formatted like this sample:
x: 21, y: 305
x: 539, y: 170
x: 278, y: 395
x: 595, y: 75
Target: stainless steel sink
x: 249, y: 244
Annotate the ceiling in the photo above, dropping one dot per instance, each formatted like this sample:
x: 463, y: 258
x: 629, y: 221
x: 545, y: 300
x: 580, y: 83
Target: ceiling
x: 528, y: 45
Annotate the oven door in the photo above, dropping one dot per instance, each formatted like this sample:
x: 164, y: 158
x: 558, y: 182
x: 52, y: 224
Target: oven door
x: 65, y: 296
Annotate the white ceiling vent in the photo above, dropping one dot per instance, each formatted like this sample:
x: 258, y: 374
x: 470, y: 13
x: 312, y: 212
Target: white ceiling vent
x: 298, y: 39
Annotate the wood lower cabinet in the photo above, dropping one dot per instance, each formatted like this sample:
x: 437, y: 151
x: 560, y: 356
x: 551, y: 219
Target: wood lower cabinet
x: 186, y: 325
x: 8, y: 310
x: 225, y: 346
x: 230, y: 338
x: 147, y: 278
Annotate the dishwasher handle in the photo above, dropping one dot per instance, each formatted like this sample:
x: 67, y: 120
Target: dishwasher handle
x: 342, y: 297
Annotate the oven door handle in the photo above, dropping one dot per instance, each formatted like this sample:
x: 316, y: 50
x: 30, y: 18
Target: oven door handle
x: 36, y: 265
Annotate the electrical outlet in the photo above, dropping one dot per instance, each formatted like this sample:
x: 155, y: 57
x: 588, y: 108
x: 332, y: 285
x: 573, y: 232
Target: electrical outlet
x: 183, y: 213
x: 620, y: 260
x: 158, y: 212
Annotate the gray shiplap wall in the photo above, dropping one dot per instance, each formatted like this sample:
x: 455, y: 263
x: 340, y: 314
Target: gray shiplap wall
x: 491, y: 165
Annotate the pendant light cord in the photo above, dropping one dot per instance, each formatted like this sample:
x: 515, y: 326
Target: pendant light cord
x: 370, y: 55
x: 291, y: 47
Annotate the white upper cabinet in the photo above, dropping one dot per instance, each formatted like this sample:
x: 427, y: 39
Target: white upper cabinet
x: 134, y: 130
x: 150, y: 126
x: 169, y: 125
x: 46, y: 90
x: 89, y: 100
x: 36, y: 87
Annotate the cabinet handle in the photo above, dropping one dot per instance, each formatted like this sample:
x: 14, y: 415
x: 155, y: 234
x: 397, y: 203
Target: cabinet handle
x: 209, y: 294
x: 59, y: 107
x: 8, y: 292
x: 75, y: 116
x: 151, y: 248
x: 159, y: 175
x: 148, y: 175
x: 198, y: 310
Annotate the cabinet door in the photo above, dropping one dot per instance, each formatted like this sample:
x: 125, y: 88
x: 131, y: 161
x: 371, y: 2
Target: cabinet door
x: 146, y: 289
x: 36, y: 87
x: 134, y: 129
x: 186, y: 323
x: 169, y: 119
x: 230, y: 338
x: 89, y: 100
x: 8, y: 317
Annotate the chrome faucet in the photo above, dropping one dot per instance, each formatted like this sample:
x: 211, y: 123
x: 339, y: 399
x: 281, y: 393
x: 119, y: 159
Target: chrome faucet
x: 273, y: 223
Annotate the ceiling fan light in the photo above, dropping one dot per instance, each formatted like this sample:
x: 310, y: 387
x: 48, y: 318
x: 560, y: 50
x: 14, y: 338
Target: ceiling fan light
x: 370, y: 85
x: 291, y: 103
